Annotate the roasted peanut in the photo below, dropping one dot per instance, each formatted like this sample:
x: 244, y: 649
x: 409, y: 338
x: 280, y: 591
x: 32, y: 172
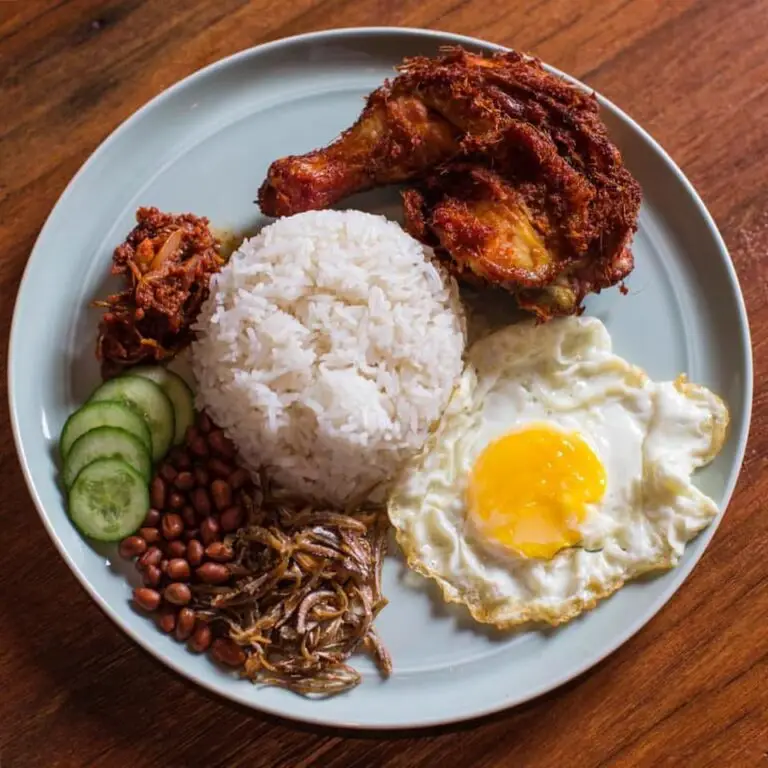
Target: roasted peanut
x: 189, y: 516
x: 168, y: 473
x: 178, y: 569
x: 219, y: 468
x: 221, y: 493
x: 184, y: 461
x: 152, y: 556
x: 221, y: 445
x: 157, y: 493
x: 146, y: 598
x: 239, y: 478
x: 212, y: 573
x: 204, y: 423
x: 209, y: 530
x: 133, y: 546
x: 172, y: 526
x: 151, y: 576
x: 227, y: 652
x: 199, y: 447
x: 166, y: 619
x: 177, y: 593
x: 176, y: 549
x: 195, y: 553
x: 150, y: 535
x: 201, y: 638
x: 219, y: 552
x: 185, y: 481
x: 232, y: 518
x: 201, y: 501
x: 197, y: 496
x: 185, y: 624
x: 152, y: 520
x: 201, y: 476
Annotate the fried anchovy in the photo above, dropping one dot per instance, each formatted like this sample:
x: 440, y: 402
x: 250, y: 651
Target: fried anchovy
x: 305, y: 591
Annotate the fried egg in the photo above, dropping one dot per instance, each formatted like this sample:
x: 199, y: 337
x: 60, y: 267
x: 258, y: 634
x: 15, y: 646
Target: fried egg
x: 558, y: 472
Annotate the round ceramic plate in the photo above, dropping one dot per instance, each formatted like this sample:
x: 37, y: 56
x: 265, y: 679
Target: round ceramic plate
x: 204, y: 146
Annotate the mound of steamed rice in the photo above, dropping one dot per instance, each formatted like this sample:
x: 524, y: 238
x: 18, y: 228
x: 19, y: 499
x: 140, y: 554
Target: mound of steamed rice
x: 327, y: 350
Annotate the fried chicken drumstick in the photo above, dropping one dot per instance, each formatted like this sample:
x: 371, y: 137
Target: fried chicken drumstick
x: 513, y: 179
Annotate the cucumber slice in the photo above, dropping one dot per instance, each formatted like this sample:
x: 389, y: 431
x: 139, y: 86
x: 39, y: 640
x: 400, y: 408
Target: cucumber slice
x: 150, y: 401
x: 94, y: 415
x: 178, y: 393
x: 107, y: 443
x: 109, y: 500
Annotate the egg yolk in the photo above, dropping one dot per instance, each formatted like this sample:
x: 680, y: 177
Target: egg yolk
x: 529, y: 490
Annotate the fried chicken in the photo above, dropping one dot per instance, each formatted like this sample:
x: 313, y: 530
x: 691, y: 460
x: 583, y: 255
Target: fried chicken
x: 396, y: 139
x: 515, y: 182
x: 167, y: 262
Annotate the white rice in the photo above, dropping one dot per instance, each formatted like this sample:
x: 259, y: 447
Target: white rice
x: 328, y: 349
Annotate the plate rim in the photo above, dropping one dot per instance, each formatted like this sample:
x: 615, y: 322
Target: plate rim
x: 682, y: 572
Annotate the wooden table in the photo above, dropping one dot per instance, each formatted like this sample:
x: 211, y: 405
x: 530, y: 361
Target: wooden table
x: 691, y: 689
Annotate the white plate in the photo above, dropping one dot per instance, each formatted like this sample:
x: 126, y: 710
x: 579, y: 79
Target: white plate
x: 204, y: 146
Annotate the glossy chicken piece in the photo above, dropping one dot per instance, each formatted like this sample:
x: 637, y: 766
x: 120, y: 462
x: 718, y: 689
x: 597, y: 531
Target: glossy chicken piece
x: 514, y: 179
x: 485, y: 225
x: 395, y: 139
x: 486, y: 232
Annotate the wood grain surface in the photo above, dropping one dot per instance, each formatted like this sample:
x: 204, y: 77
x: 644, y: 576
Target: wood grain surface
x: 691, y: 689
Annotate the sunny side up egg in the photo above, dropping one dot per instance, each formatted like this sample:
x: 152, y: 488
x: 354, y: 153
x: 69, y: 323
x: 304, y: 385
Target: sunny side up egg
x: 558, y: 472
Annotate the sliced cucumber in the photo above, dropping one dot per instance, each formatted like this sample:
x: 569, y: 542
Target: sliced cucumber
x: 107, y: 443
x: 150, y: 401
x: 106, y: 414
x: 178, y: 393
x: 109, y: 500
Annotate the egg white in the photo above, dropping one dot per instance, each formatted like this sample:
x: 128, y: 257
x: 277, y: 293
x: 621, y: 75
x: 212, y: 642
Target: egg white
x: 650, y: 437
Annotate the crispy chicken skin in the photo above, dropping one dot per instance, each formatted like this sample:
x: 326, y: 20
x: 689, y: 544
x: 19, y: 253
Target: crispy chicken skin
x: 395, y: 139
x: 474, y: 215
x: 513, y: 179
